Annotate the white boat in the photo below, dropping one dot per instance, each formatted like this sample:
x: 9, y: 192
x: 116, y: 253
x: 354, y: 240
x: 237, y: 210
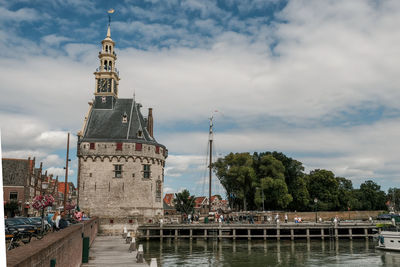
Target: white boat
x: 389, y: 240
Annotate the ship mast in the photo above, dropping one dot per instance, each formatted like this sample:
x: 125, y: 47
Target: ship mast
x: 210, y: 140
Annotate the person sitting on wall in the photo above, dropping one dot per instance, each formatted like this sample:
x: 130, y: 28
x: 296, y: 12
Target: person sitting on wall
x: 56, y: 221
x: 63, y: 222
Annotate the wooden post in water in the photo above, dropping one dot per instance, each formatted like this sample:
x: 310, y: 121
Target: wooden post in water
x: 292, y: 234
x: 265, y: 234
x: 322, y: 234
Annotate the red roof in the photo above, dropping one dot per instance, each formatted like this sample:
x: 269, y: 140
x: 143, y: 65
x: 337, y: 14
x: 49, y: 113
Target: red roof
x: 199, y: 201
x: 61, y: 187
x: 168, y: 198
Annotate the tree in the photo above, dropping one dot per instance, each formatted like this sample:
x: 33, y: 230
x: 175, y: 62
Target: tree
x: 301, y: 197
x: 184, y: 202
x: 294, y: 178
x: 371, y: 196
x: 323, y: 186
x: 271, y: 180
x: 346, y: 196
x: 236, y: 174
x: 393, y: 197
x: 11, y: 208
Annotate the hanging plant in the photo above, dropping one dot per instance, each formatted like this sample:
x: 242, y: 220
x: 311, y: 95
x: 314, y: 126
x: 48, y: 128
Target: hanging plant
x: 41, y: 202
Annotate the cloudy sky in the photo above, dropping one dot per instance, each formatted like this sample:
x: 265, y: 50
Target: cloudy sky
x: 316, y: 80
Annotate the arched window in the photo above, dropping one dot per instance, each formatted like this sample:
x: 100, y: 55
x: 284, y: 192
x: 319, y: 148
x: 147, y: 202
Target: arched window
x: 105, y: 64
x: 106, y: 48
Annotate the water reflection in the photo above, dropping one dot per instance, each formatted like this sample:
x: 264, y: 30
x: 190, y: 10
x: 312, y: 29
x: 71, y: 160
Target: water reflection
x: 259, y: 253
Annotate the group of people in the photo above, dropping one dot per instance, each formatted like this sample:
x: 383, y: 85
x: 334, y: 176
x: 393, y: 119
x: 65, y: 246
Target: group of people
x: 58, y: 220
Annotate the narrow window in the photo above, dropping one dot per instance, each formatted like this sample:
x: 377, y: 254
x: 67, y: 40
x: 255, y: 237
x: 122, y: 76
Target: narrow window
x: 157, y: 150
x: 90, y: 174
x: 130, y: 221
x: 139, y: 133
x: 92, y: 145
x: 13, y: 196
x: 146, y: 171
x: 158, y: 190
x: 119, y: 146
x: 111, y: 221
x: 118, y: 171
x: 138, y: 147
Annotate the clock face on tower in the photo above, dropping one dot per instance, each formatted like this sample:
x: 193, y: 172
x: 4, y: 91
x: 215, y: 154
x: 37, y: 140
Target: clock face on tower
x: 104, y: 85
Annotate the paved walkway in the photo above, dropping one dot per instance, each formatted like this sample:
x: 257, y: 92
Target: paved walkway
x: 111, y: 251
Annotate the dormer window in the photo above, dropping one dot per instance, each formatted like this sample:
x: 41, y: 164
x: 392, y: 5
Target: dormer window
x: 124, y: 118
x: 139, y: 133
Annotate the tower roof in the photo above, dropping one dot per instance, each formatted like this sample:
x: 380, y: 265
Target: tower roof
x: 108, y: 37
x: 107, y: 125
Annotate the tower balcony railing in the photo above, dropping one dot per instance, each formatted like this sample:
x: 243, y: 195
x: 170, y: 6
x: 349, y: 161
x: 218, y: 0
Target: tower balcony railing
x: 107, y: 52
x: 108, y: 69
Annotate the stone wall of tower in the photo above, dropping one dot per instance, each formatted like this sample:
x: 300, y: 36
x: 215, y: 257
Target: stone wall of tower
x: 130, y: 199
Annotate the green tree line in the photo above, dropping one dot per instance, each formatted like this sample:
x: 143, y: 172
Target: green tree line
x: 278, y: 182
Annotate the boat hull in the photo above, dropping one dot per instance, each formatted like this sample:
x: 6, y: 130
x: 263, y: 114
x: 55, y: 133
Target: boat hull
x: 389, y: 240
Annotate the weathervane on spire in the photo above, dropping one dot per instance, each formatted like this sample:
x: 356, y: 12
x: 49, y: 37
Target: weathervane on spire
x: 111, y: 11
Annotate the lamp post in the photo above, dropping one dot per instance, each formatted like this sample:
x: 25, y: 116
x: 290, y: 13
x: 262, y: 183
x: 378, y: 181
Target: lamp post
x: 45, y: 185
x: 315, y: 208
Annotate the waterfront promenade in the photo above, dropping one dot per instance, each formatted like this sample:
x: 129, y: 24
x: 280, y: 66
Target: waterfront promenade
x: 111, y: 251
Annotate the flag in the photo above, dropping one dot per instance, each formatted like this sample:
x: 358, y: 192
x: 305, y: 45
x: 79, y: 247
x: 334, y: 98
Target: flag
x: 111, y: 11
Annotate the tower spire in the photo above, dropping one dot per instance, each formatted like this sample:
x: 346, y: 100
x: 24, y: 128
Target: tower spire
x: 111, y: 11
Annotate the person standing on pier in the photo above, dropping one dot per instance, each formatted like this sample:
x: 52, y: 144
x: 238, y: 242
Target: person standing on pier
x: 286, y: 218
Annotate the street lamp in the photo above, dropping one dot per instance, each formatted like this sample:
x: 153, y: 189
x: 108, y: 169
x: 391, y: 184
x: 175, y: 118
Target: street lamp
x: 45, y: 185
x: 315, y: 208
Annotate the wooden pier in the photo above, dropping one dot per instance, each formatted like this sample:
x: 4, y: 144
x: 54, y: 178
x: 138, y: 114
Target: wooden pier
x: 346, y: 230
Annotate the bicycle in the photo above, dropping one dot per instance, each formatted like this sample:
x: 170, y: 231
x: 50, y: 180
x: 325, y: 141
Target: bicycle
x: 17, y: 237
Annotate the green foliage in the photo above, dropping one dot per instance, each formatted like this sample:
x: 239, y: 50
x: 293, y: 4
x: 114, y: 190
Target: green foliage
x: 236, y: 174
x: 393, y: 197
x: 279, y: 182
x: 371, y: 196
x: 184, y: 202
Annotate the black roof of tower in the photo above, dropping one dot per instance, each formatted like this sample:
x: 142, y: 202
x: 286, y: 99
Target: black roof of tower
x: 106, y: 125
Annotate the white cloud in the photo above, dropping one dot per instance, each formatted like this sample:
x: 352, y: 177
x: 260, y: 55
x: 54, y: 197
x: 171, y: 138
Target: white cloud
x: 330, y: 60
x: 54, y: 39
x: 60, y: 172
x: 22, y: 14
x: 52, y: 159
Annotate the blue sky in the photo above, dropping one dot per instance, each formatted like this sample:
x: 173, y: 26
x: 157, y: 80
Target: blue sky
x: 316, y: 80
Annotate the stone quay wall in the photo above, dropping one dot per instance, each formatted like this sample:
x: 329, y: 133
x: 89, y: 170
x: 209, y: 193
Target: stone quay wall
x: 65, y: 246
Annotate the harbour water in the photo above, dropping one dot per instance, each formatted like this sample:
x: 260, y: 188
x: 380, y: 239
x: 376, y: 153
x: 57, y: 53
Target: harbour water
x: 271, y: 253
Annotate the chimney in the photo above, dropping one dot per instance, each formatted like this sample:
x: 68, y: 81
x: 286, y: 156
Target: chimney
x: 150, y: 122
